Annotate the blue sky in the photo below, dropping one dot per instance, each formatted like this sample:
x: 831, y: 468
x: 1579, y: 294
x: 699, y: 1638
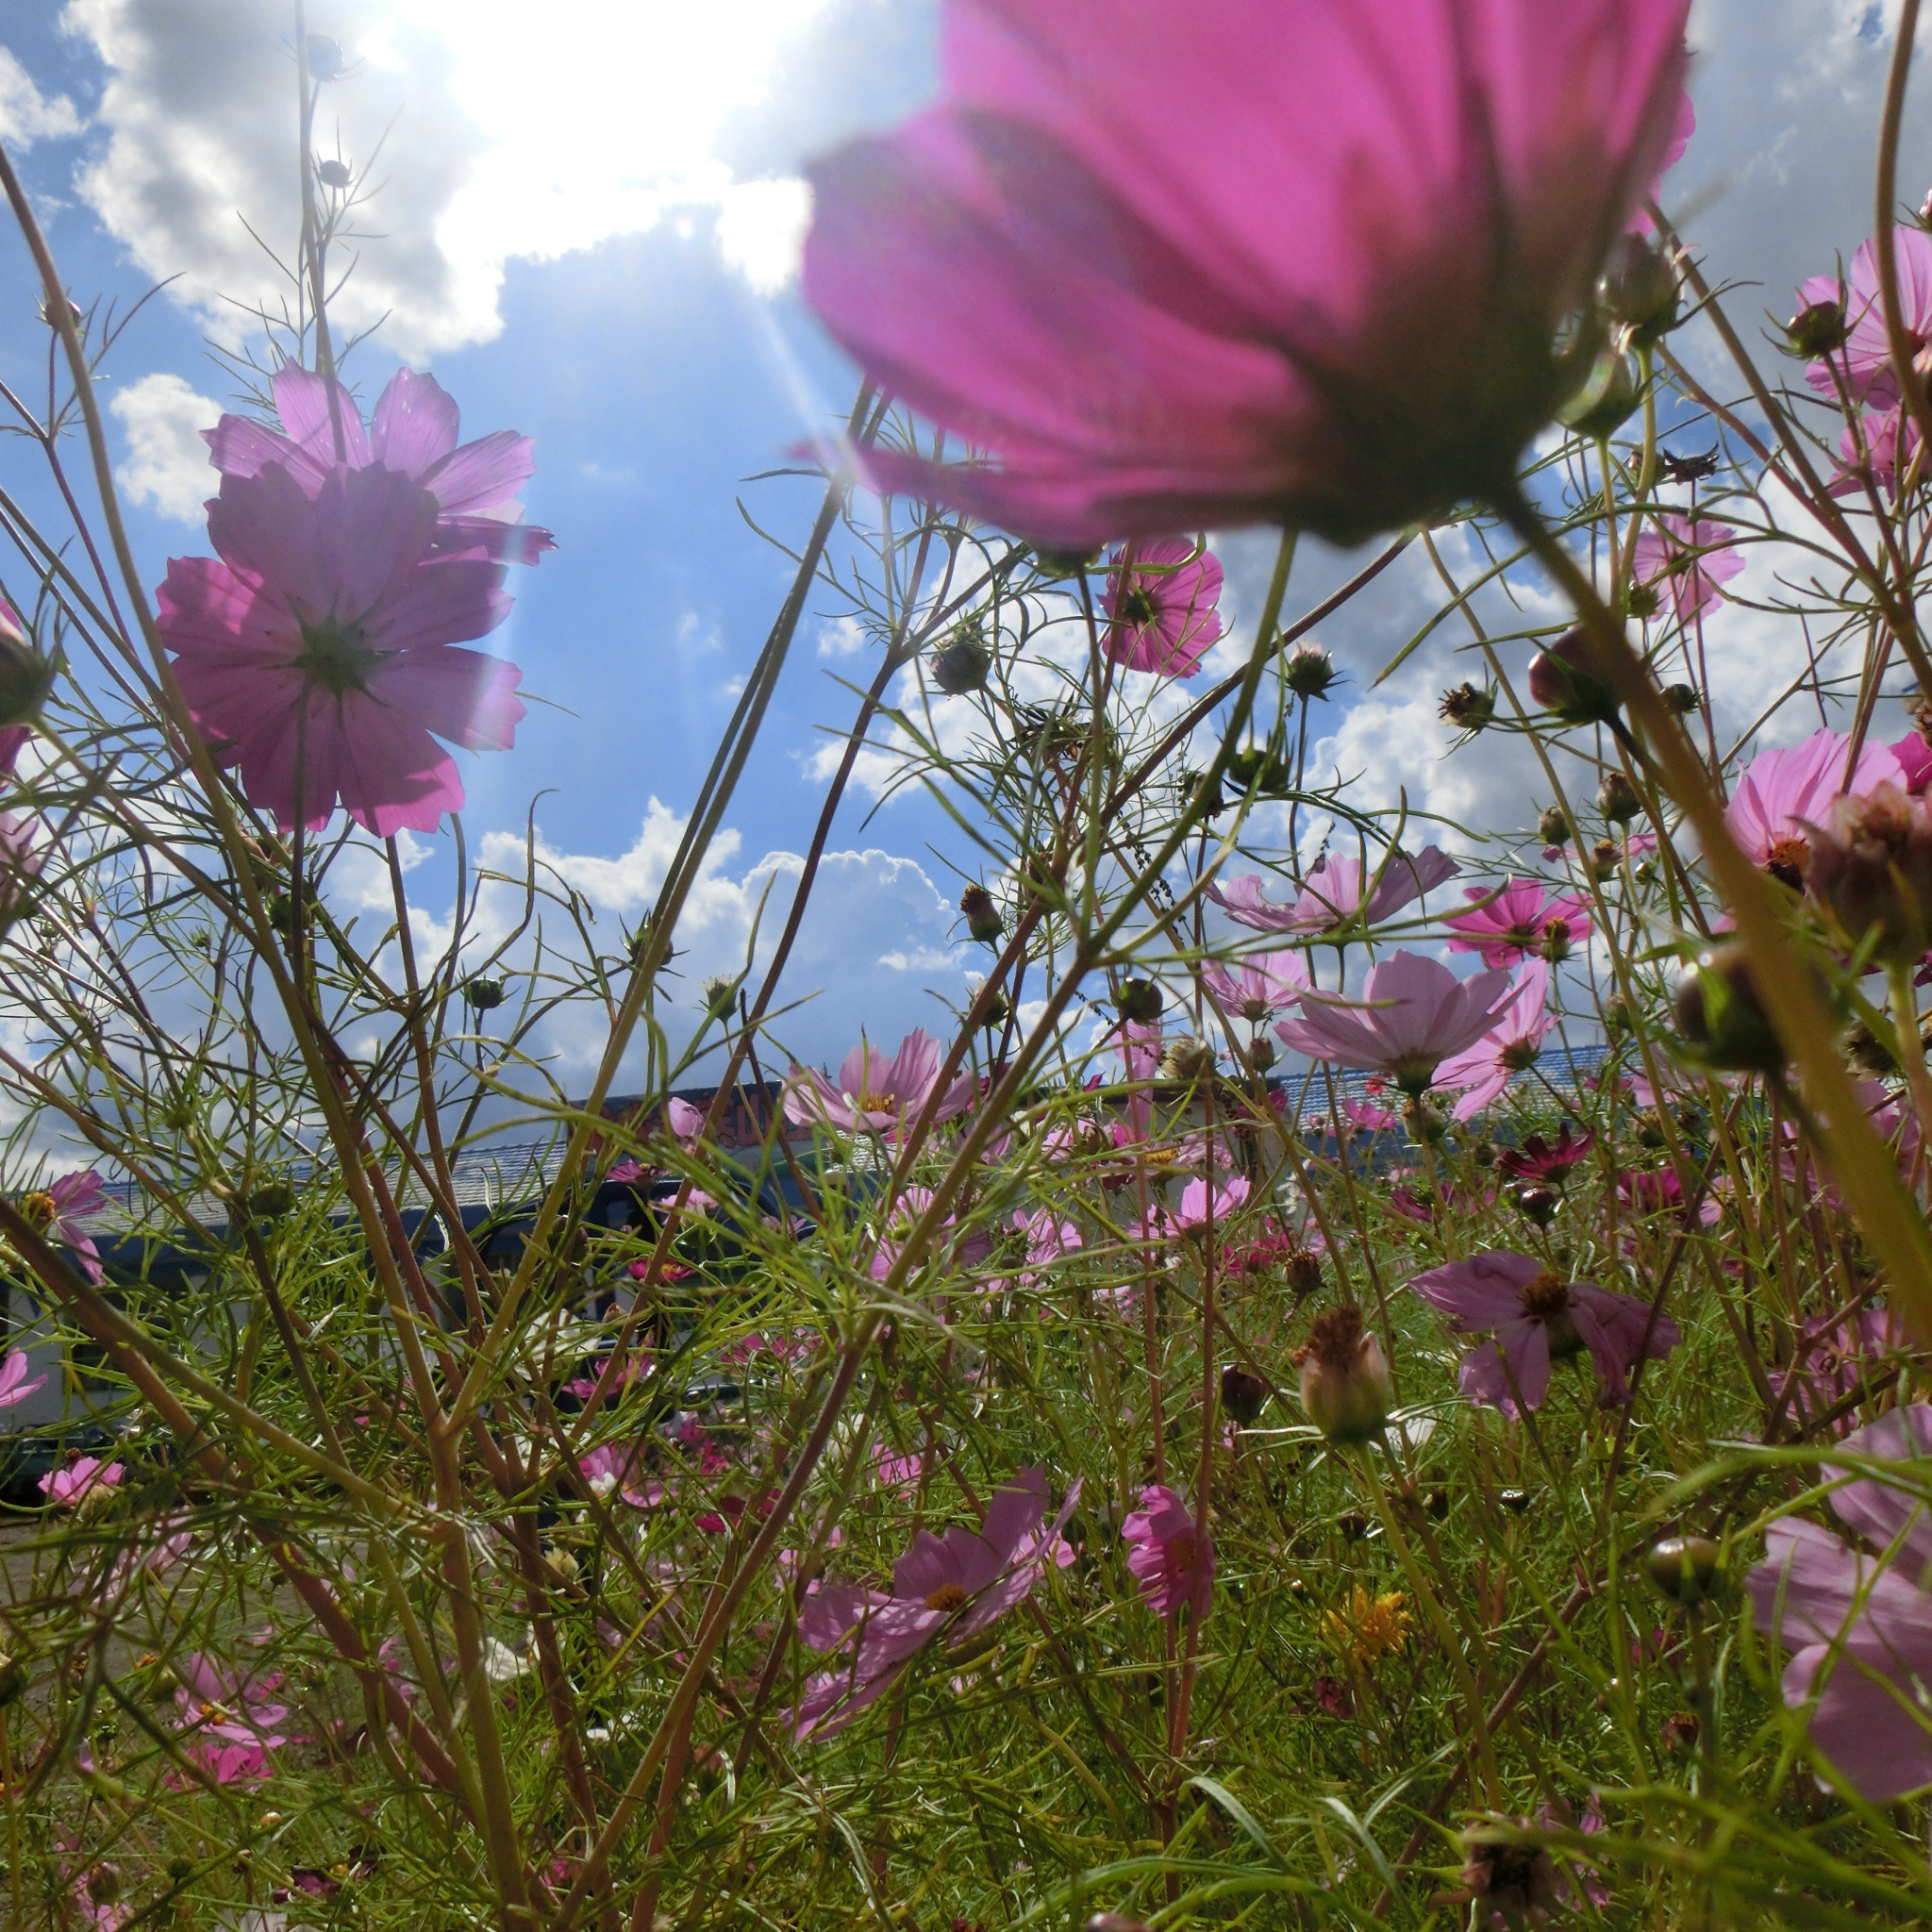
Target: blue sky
x: 588, y: 224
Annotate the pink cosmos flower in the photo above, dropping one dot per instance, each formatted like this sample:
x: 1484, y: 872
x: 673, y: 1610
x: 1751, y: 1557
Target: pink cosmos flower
x: 1833, y: 1358
x: 1259, y: 985
x: 1538, y: 1317
x: 1413, y: 1014
x: 1914, y: 757
x: 1858, y: 1624
x: 1160, y: 606
x: 1518, y: 919
x: 1864, y: 364
x: 1537, y: 1159
x: 232, y: 1722
x: 1688, y: 557
x: 875, y: 1095
x: 1681, y: 130
x: 1331, y: 895
x: 620, y: 1467
x: 958, y: 1584
x: 1173, y: 1564
x: 58, y: 1210
x: 1510, y: 1046
x: 1048, y: 1240
x: 71, y: 1483
x: 413, y: 432
x: 15, y: 1386
x: 1209, y: 247
x: 317, y: 654
x: 1785, y: 793
x: 1368, y: 1116
x: 1873, y: 455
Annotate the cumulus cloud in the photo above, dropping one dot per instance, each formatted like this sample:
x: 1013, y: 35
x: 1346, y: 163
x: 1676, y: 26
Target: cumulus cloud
x: 26, y: 115
x: 489, y: 139
x: 167, y: 464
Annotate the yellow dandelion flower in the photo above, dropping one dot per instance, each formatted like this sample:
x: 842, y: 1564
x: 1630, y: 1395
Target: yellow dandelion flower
x: 1368, y: 1628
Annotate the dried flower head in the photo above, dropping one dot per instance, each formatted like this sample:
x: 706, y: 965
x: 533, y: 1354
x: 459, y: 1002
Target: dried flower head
x: 1344, y: 1376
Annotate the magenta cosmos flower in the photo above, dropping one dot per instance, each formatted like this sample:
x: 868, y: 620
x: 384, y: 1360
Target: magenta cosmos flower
x: 1515, y: 1035
x: 1413, y: 1014
x: 1174, y: 1566
x: 1237, y: 263
x: 58, y: 1210
x: 1784, y: 793
x: 1687, y: 558
x: 958, y: 1584
x: 1160, y: 606
x: 15, y: 1386
x: 1259, y: 985
x: 233, y: 1722
x: 316, y: 654
x: 413, y: 432
x: 1517, y: 918
x: 69, y: 1485
x: 876, y: 1094
x: 1859, y: 1622
x: 1331, y: 894
x: 1863, y: 366
x: 1538, y: 1318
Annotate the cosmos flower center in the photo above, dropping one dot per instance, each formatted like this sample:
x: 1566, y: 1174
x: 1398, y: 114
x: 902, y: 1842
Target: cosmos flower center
x: 335, y: 656
x: 1138, y: 606
x: 1545, y: 1296
x: 948, y: 1596
x: 1519, y: 1056
x: 37, y: 1210
x: 1180, y: 1550
x: 871, y: 1102
x: 1788, y: 861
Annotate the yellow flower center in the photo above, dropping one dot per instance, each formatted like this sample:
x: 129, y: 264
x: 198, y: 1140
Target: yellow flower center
x: 37, y: 1210
x: 948, y: 1596
x: 1368, y: 1628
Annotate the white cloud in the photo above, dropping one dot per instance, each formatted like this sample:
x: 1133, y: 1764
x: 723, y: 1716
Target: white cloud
x: 167, y: 463
x: 502, y: 139
x: 26, y: 115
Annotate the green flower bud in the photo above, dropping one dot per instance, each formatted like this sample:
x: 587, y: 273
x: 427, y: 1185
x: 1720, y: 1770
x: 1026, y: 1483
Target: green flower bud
x: 1344, y: 1377
x: 963, y: 666
x: 1553, y: 827
x: 1572, y: 680
x: 717, y: 994
x: 1309, y: 671
x: 1688, y: 1569
x: 1606, y: 400
x: 983, y: 920
x: 1721, y: 1018
x: 1639, y: 289
x: 1138, y: 1001
x: 1817, y: 331
x: 332, y: 174
x: 27, y: 678
x: 1617, y: 799
x: 483, y: 995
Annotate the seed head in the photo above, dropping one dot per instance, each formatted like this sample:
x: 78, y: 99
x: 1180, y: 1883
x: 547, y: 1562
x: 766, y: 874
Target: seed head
x: 1468, y: 707
x: 1344, y: 1376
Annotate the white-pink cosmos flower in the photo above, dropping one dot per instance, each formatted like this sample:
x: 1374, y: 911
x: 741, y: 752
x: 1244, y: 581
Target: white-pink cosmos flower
x: 15, y: 1386
x: 875, y: 1095
x: 1413, y: 1014
x: 1510, y: 1046
x: 1785, y: 793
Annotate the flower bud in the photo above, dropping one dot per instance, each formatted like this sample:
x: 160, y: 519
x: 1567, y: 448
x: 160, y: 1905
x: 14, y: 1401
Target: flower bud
x: 1310, y: 673
x: 1688, y: 1569
x: 1138, y: 1001
x: 1721, y: 1018
x: 1682, y: 699
x: 26, y: 677
x: 1552, y: 828
x: 1113, y: 1921
x: 1344, y: 1377
x: 1817, y: 331
x: 962, y: 667
x: 271, y: 1203
x: 1260, y: 1052
x: 1537, y: 1203
x: 104, y: 1883
x: 1639, y: 289
x: 1617, y: 799
x: 482, y: 993
x: 1572, y: 680
x: 1066, y: 563
x: 1468, y: 707
x: 1642, y: 600
x: 1604, y: 401
x: 325, y: 60
x: 1302, y: 1269
x: 12, y: 1679
x: 997, y: 1013
x: 717, y: 994
x: 1872, y: 869
x: 1242, y: 1395
x: 983, y: 920
x: 332, y: 174
x: 1617, y: 1016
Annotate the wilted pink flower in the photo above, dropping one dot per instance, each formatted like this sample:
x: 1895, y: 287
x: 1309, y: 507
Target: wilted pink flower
x: 1688, y: 557
x: 1413, y: 1014
x: 958, y: 1582
x: 232, y: 1722
x: 1510, y: 1046
x: 71, y: 1483
x: 1784, y: 792
x: 1331, y: 895
x: 1162, y: 607
x: 1864, y: 364
x: 58, y: 1210
x: 876, y: 1094
x: 1211, y: 325
x: 317, y: 654
x: 1518, y: 918
x: 1539, y: 1317
x: 15, y: 1386
x: 413, y: 432
x: 1261, y: 984
x: 1173, y: 1564
x: 1859, y: 1626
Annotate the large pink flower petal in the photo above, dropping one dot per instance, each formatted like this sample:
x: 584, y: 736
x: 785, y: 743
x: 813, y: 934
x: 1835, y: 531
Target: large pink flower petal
x: 464, y: 696
x: 414, y: 429
x: 1481, y: 1292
